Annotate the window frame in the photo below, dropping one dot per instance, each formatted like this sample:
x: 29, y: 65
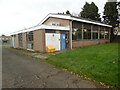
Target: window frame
x: 102, y: 32
x: 30, y: 36
x: 88, y: 34
x: 76, y: 34
x: 20, y: 40
x: 95, y: 34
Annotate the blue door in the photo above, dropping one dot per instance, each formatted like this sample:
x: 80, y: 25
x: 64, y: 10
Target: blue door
x: 63, y: 41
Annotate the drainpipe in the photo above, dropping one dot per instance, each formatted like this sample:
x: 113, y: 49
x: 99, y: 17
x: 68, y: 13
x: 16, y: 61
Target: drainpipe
x: 91, y: 32
x: 109, y: 33
x: 98, y: 32
x: 82, y: 31
x: 104, y: 33
x: 70, y: 35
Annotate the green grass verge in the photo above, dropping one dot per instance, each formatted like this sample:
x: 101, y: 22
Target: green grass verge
x: 98, y: 62
x: 4, y: 43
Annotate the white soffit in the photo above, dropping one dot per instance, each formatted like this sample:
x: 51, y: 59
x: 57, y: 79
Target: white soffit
x: 55, y: 27
x: 43, y: 27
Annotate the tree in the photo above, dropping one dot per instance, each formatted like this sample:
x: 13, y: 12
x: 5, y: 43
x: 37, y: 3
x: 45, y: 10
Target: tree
x: 90, y: 11
x: 3, y: 35
x: 118, y: 7
x: 68, y: 12
x: 110, y: 13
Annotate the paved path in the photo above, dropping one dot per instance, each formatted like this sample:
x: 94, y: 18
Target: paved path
x: 20, y: 71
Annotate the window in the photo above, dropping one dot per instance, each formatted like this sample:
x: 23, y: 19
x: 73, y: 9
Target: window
x: 2, y: 38
x: 50, y: 31
x: 30, y: 46
x: 107, y: 34
x: 77, y: 34
x: 54, y: 23
x: 95, y: 34
x: 6, y: 38
x: 101, y: 34
x: 87, y: 34
x: 30, y: 36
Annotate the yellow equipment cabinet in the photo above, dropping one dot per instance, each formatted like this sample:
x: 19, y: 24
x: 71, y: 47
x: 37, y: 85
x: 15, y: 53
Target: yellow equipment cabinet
x: 50, y: 48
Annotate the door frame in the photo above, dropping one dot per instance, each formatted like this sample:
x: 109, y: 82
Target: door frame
x: 59, y: 42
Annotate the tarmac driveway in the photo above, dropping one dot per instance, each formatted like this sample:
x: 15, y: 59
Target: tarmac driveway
x: 20, y: 71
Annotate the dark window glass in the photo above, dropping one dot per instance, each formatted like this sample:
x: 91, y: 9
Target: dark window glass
x: 101, y: 34
x: 107, y: 34
x: 50, y: 31
x: 95, y: 34
x: 20, y: 40
x: 87, y: 34
x: 77, y: 34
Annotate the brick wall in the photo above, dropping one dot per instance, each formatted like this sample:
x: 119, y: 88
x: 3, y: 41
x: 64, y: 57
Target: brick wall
x: 63, y: 22
x: 16, y: 45
x: 39, y: 40
x: 24, y: 41
x: 88, y: 43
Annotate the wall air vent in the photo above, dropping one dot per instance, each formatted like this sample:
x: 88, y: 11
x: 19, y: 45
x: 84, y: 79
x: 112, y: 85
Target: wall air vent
x: 53, y: 23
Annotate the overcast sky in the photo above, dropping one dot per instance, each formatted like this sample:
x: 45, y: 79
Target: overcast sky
x: 17, y: 14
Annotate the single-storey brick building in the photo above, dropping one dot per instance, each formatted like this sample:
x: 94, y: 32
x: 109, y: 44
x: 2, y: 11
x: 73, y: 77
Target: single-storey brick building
x: 62, y: 31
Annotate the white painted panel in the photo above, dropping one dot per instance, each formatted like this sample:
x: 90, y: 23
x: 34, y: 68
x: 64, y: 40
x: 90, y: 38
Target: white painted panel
x: 53, y: 39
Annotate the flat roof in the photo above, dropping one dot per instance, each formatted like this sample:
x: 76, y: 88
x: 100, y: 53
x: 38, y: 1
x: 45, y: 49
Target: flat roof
x: 62, y: 16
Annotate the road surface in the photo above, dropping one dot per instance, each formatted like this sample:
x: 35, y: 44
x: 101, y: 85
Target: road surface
x: 20, y: 71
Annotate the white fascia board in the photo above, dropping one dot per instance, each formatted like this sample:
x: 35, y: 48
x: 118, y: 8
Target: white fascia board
x: 31, y: 29
x: 72, y: 18
x: 26, y: 30
x: 14, y: 33
x: 48, y: 27
x: 44, y: 19
x: 43, y: 27
x: 86, y: 21
x: 22, y: 31
x: 61, y: 16
x: 56, y: 16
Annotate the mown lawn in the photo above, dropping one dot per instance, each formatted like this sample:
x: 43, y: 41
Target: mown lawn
x: 98, y: 62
